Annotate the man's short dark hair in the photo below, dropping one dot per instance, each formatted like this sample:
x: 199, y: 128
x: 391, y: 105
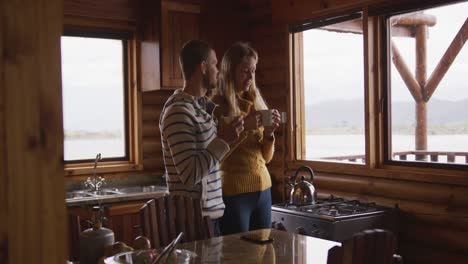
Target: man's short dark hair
x: 192, y: 54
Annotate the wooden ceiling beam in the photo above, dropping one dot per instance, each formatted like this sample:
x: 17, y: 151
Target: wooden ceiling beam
x: 355, y: 26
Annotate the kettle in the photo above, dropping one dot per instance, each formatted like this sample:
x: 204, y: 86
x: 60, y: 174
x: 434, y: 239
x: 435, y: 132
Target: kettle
x: 303, y: 192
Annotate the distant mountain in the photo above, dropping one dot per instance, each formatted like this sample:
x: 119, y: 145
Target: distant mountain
x: 338, y: 113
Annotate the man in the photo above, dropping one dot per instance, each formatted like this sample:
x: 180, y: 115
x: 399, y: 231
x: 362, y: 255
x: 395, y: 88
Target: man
x: 192, y: 144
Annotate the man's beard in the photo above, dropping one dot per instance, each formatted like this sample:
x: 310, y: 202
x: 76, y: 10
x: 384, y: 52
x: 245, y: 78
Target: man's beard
x: 207, y: 84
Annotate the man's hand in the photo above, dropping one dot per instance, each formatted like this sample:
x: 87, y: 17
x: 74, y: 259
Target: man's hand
x: 230, y: 132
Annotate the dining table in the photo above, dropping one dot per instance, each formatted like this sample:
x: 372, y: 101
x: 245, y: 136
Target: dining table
x: 283, y: 247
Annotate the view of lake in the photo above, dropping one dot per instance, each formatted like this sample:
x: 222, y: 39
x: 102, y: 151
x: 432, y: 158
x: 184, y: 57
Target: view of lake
x: 343, y: 145
x: 317, y: 146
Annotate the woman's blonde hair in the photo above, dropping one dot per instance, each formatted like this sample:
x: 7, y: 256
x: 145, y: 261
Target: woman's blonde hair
x: 226, y: 87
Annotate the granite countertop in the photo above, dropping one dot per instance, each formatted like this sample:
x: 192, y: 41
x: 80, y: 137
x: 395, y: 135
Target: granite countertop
x: 85, y: 201
x: 285, y: 248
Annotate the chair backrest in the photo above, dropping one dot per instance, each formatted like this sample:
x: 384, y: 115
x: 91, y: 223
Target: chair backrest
x: 74, y: 230
x: 366, y: 247
x: 162, y: 219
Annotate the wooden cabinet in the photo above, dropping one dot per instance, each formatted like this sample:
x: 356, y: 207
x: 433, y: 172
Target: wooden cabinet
x: 122, y: 218
x: 180, y: 22
x: 164, y: 27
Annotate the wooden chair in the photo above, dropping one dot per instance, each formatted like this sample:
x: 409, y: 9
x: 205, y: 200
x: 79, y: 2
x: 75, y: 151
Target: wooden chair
x: 74, y: 230
x: 367, y: 247
x: 164, y: 218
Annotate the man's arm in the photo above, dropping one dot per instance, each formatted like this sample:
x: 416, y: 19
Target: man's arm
x: 179, y: 130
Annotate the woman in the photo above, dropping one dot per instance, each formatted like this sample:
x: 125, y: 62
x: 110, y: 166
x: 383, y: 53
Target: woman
x: 246, y: 180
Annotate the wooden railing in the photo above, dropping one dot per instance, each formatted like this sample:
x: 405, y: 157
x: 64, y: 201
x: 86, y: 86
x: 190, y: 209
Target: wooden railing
x: 420, y: 155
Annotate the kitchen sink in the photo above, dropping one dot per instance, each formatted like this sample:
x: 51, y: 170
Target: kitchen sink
x: 77, y: 195
x: 141, y: 189
x: 109, y: 192
x: 103, y: 192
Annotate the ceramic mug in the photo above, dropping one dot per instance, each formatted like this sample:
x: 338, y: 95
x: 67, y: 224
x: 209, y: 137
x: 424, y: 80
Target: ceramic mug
x: 267, y: 117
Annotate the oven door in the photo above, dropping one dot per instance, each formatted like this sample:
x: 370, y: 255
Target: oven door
x: 302, y: 225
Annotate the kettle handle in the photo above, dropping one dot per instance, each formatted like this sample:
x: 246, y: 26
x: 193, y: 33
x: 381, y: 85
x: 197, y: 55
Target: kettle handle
x: 306, y: 168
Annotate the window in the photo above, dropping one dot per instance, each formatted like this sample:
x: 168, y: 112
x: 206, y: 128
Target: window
x: 427, y: 86
x: 384, y: 93
x: 98, y: 103
x: 331, y: 94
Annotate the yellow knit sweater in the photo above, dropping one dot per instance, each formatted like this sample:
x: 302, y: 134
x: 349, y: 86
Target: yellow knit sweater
x: 244, y: 168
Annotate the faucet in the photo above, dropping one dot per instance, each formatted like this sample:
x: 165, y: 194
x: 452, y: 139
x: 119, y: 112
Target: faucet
x: 95, y: 183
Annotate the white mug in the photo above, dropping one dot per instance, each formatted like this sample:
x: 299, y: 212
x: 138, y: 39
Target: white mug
x: 267, y: 117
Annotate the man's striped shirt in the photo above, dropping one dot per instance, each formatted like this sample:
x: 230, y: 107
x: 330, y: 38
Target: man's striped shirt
x: 192, y: 151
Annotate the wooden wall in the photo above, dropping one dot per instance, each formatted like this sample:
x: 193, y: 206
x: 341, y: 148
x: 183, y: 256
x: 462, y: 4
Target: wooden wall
x: 3, y: 175
x: 32, y: 208
x: 433, y: 225
x: 272, y: 79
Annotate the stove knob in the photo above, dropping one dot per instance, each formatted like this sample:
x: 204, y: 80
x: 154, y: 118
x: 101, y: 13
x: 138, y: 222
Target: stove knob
x: 301, y: 231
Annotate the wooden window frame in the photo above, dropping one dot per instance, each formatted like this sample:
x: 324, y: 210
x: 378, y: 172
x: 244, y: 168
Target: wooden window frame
x: 133, y: 160
x: 374, y: 37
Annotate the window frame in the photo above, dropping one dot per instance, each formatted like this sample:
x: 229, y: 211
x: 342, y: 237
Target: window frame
x: 375, y: 53
x: 387, y: 130
x: 133, y: 159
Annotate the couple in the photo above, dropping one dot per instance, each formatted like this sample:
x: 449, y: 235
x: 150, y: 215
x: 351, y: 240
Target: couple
x: 205, y: 140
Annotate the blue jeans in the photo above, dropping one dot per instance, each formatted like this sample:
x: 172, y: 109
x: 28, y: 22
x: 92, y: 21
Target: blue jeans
x: 216, y: 230
x: 247, y: 211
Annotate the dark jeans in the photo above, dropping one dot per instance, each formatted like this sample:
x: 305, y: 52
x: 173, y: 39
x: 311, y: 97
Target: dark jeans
x: 247, y: 211
x: 216, y: 229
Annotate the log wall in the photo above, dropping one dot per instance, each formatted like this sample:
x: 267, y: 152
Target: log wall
x: 433, y: 224
x: 3, y: 177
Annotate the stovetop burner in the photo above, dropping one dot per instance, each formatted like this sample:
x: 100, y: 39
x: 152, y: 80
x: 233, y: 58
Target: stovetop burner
x: 333, y: 208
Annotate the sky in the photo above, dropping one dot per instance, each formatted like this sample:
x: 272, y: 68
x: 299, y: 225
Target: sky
x: 337, y: 57
x: 92, y: 84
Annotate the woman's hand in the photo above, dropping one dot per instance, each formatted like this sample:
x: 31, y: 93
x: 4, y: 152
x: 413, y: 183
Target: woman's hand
x: 230, y: 132
x: 253, y: 120
x: 276, y: 119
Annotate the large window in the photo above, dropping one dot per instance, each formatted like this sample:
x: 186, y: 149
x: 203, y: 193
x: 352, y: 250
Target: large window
x: 332, y: 92
x: 94, y: 95
x: 99, y: 104
x: 428, y: 85
x: 382, y: 92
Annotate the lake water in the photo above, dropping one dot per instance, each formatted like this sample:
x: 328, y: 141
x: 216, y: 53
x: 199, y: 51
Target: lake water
x: 343, y: 145
x: 317, y: 146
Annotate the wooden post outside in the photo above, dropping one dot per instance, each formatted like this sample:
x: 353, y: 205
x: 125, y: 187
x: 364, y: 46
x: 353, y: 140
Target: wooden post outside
x: 421, y: 76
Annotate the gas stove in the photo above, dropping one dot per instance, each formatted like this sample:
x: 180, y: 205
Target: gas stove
x: 332, y: 218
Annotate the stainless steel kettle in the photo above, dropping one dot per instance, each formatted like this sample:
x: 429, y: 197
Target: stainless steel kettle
x: 303, y: 192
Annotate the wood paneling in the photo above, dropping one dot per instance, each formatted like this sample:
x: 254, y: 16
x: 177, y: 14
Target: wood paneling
x: 3, y: 168
x: 32, y: 171
x: 224, y: 24
x: 180, y: 22
x: 118, y: 10
x: 150, y: 28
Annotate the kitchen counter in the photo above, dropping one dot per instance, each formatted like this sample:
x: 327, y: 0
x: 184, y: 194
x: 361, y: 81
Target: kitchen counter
x: 285, y: 248
x: 125, y: 197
